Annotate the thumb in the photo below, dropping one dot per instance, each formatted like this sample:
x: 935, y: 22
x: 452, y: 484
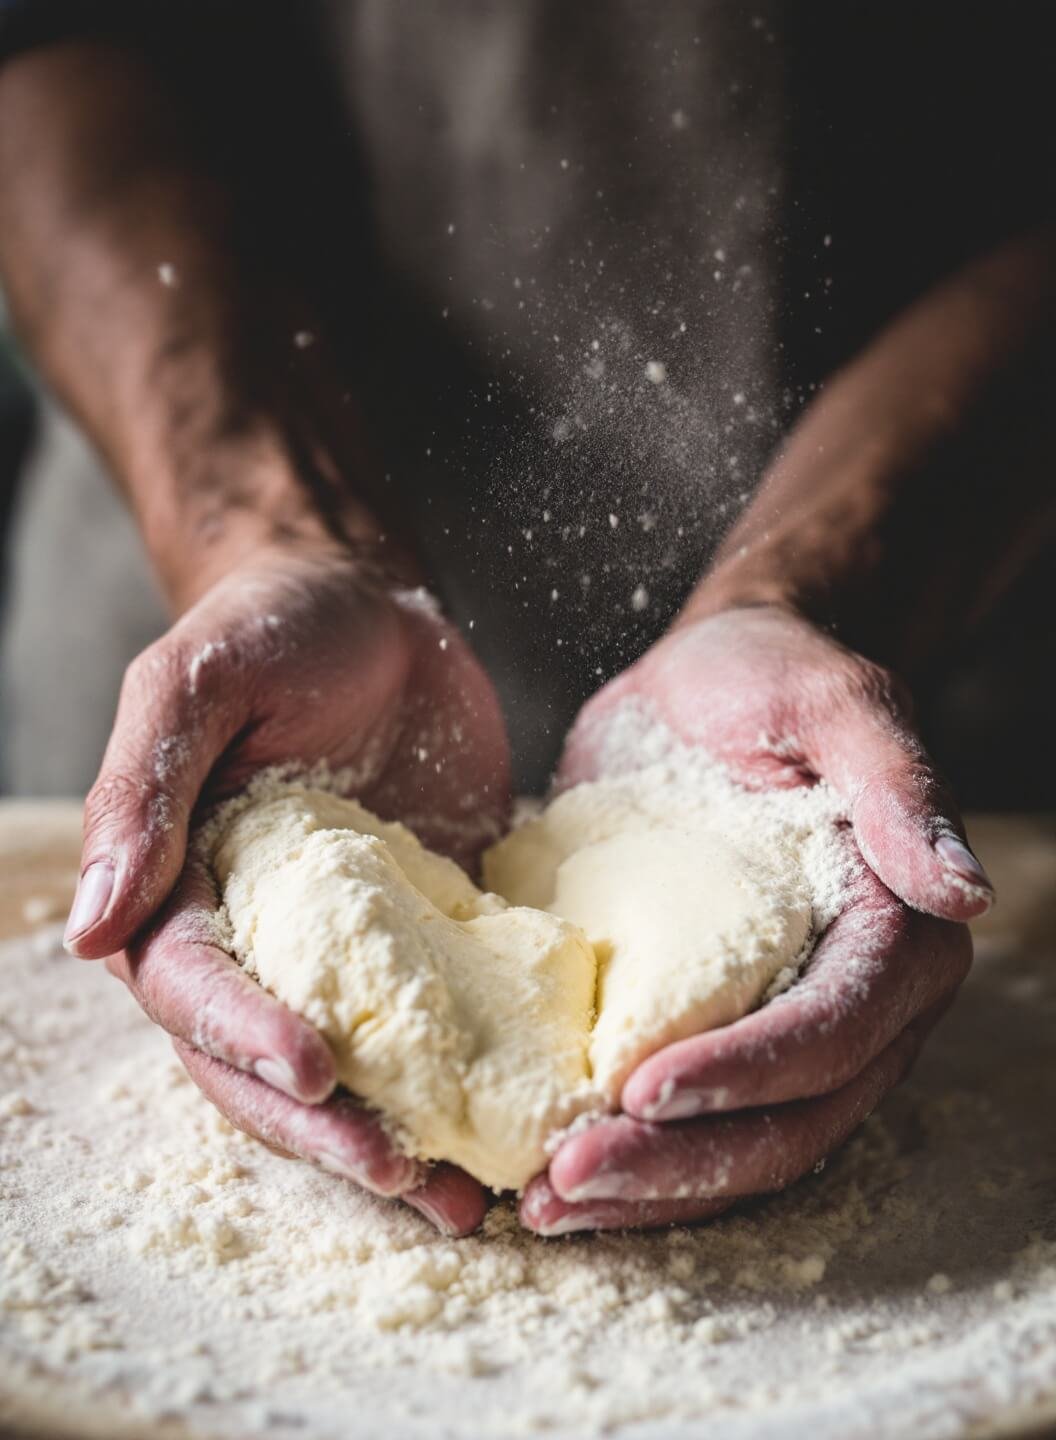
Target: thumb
x: 905, y: 819
x: 171, y: 725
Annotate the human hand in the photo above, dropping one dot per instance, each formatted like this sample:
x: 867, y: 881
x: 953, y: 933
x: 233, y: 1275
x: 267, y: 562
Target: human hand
x: 780, y: 704
x: 296, y: 655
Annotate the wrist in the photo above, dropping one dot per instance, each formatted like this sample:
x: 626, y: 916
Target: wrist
x: 255, y: 493
x: 731, y: 586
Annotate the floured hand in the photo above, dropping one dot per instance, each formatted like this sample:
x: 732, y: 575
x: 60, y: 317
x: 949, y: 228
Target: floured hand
x: 297, y: 655
x: 781, y: 705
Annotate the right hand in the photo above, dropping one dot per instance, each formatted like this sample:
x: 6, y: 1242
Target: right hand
x: 749, y: 1107
x: 297, y: 655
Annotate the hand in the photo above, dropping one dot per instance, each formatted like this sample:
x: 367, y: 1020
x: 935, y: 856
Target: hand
x: 780, y: 704
x: 297, y: 655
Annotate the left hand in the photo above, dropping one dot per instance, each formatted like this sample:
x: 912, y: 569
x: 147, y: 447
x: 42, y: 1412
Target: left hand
x: 780, y: 704
x: 303, y: 653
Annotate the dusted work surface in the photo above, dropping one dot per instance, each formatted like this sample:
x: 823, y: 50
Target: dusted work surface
x: 162, y: 1275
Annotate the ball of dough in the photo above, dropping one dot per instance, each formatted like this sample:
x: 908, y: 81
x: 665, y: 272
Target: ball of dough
x: 465, y: 1021
x: 480, y: 1023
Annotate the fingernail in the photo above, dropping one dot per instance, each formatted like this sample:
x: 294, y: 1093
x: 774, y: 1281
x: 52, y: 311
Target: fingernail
x: 94, y: 889
x: 569, y: 1224
x: 338, y: 1165
x: 390, y: 1178
x: 278, y: 1074
x: 606, y: 1185
x: 432, y: 1213
x: 688, y: 1104
x: 956, y: 856
x: 681, y: 1106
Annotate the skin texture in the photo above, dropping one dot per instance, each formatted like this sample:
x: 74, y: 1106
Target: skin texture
x: 917, y: 486
x: 627, y: 1173
x: 246, y: 463
x: 943, y: 407
x: 782, y: 705
x: 304, y: 655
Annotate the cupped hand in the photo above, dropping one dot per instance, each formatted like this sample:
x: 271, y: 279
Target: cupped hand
x: 752, y: 1106
x: 305, y: 656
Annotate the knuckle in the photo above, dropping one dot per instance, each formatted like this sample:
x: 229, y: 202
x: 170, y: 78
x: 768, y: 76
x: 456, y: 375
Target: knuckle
x: 931, y: 790
x: 179, y: 672
x: 149, y: 673
x: 879, y: 686
x: 113, y: 798
x: 858, y: 682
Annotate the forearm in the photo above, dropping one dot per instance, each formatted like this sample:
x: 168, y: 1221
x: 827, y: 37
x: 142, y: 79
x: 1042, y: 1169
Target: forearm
x: 154, y: 317
x: 919, y: 481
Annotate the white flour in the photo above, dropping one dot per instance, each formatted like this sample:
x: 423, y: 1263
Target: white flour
x: 155, y: 1264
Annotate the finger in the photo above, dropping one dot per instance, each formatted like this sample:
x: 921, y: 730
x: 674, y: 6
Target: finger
x: 452, y: 1200
x: 342, y: 1136
x: 723, y: 1157
x: 543, y: 1211
x: 195, y: 991
x: 174, y: 718
x: 875, y: 970
x: 905, y: 819
x: 846, y: 722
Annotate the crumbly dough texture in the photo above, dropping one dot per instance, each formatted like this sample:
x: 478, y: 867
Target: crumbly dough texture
x: 624, y: 917
x: 688, y: 924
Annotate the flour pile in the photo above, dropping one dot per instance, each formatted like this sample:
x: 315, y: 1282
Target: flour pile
x: 634, y: 911
x: 159, y: 1270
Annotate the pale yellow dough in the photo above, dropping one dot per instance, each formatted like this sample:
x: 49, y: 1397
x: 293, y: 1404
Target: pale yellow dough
x: 481, y: 1025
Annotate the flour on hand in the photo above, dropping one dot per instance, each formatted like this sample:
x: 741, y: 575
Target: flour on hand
x: 631, y: 913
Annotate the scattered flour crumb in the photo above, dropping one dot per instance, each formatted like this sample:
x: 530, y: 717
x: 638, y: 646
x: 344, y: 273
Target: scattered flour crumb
x: 158, y: 1266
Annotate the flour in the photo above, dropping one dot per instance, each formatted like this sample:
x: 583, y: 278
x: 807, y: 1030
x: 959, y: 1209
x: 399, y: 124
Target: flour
x: 634, y: 911
x: 155, y: 1265
x: 159, y: 1272
x: 632, y: 738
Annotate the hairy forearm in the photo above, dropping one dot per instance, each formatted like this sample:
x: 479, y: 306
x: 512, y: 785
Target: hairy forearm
x: 919, y: 481
x: 158, y: 322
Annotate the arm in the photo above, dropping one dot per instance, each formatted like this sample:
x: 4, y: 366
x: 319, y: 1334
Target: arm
x: 163, y: 316
x: 162, y: 321
x: 918, y: 483
x: 907, y: 495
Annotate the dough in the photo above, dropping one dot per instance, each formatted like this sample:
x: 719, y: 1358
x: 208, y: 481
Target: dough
x: 466, y: 1022
x: 480, y: 1025
x: 688, y: 925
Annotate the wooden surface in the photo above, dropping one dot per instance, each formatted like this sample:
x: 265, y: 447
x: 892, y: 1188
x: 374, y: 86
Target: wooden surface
x: 40, y: 843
